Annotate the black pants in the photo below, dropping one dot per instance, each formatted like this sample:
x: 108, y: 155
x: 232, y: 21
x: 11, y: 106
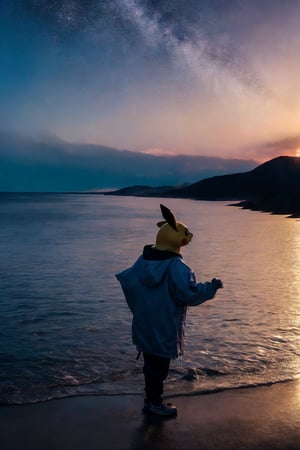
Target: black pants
x: 156, y: 370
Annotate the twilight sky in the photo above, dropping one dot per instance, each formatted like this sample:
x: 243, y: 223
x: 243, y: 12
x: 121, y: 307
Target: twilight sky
x: 203, y: 77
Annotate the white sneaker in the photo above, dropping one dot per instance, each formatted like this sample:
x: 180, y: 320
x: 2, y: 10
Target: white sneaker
x: 160, y: 410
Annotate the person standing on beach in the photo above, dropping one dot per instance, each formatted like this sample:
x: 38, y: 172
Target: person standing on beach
x: 158, y: 289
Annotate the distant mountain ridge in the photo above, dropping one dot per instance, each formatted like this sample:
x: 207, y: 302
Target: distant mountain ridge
x: 273, y: 186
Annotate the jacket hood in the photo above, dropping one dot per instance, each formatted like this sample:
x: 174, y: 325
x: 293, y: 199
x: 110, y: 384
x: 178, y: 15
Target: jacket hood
x: 154, y: 265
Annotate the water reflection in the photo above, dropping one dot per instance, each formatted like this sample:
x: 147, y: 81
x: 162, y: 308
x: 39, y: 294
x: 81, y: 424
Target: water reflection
x: 295, y: 312
x: 152, y: 432
x: 63, y: 315
x: 256, y: 318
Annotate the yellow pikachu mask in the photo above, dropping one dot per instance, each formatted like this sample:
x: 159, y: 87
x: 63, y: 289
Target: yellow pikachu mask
x: 172, y: 234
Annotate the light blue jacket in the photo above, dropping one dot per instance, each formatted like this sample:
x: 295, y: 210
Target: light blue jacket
x: 158, y: 288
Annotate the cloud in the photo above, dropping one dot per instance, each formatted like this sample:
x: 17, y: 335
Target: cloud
x: 288, y: 145
x: 54, y: 165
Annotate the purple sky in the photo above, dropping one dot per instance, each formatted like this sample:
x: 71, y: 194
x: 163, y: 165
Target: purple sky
x: 214, y: 78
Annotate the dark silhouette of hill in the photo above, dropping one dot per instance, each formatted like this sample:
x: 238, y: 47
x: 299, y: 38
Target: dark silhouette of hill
x: 278, y: 175
x: 273, y: 187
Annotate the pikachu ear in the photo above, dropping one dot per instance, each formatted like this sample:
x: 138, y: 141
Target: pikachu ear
x: 169, y: 216
x: 160, y: 224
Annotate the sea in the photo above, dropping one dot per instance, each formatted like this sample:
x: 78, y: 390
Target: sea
x: 65, y: 328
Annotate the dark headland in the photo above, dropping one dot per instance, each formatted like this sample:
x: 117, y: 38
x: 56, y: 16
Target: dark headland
x: 273, y: 187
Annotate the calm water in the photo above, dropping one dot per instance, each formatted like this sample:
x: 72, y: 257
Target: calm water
x: 64, y: 324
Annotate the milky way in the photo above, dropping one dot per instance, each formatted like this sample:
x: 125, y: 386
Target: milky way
x: 198, y: 77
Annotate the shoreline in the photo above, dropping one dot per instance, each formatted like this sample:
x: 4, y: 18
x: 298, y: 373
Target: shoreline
x: 238, y: 201
x: 188, y: 390
x: 265, y: 417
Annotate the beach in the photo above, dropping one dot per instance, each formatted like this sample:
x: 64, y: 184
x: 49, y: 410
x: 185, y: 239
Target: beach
x: 249, y: 418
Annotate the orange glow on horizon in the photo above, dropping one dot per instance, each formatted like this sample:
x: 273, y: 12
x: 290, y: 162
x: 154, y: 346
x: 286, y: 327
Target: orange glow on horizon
x: 159, y: 152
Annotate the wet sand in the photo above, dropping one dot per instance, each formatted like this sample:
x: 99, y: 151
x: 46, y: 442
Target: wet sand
x: 255, y: 418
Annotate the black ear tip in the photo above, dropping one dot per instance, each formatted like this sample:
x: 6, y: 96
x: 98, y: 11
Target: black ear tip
x: 168, y: 216
x: 164, y: 209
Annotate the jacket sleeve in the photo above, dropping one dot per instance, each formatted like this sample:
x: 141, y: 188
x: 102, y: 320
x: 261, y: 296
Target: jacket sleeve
x: 185, y: 289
